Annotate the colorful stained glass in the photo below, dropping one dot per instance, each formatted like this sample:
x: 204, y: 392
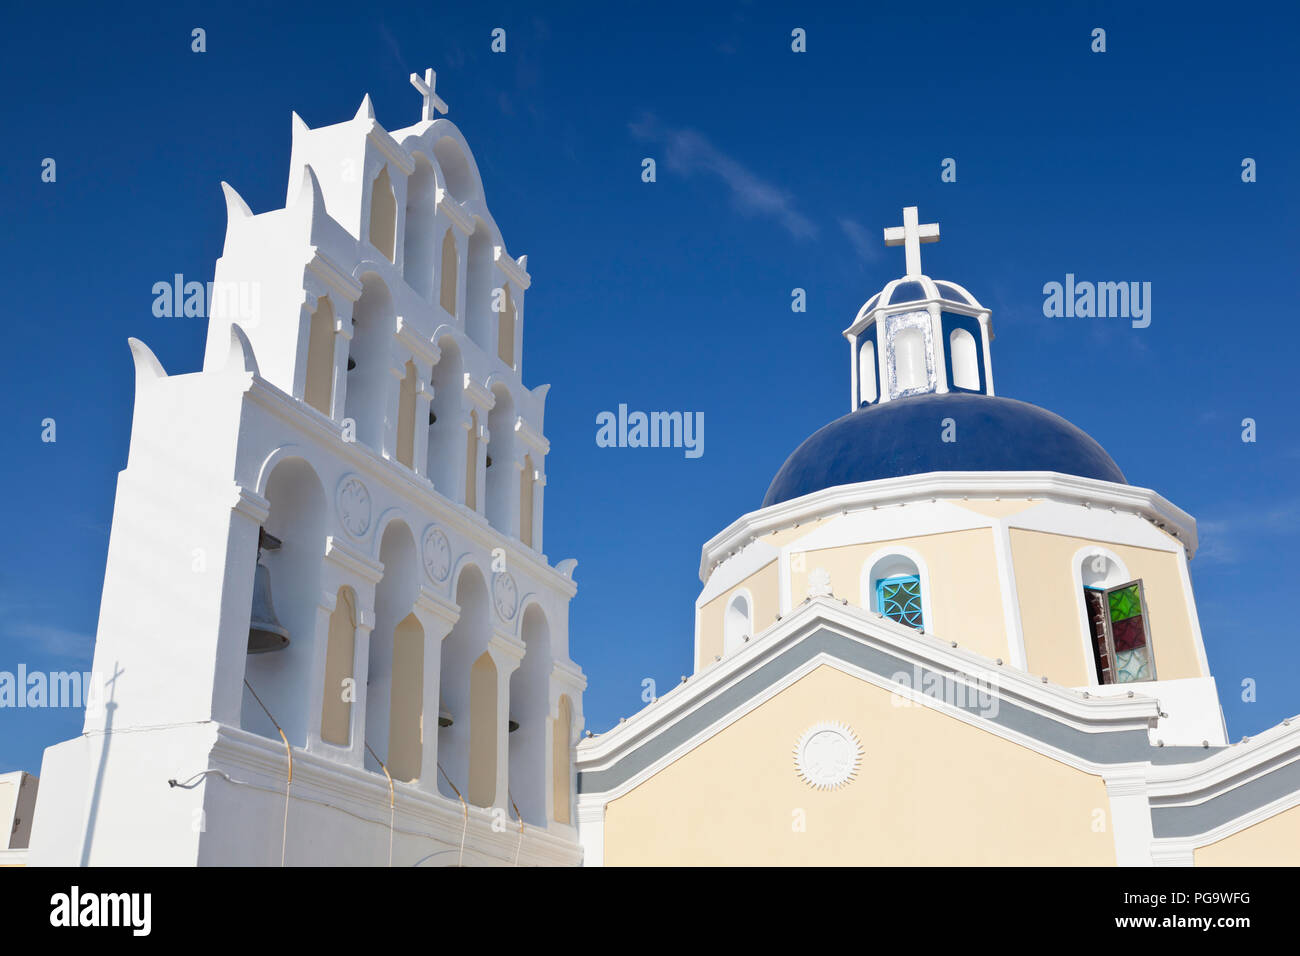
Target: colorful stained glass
x: 1124, y: 602
x: 899, y: 599
x: 1129, y: 634
x: 1133, y: 665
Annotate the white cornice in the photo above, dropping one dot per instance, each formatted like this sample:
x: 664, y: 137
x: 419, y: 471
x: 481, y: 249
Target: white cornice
x: 513, y: 270
x: 478, y: 394
x: 1189, y: 784
x: 534, y: 440
x: 1047, y: 485
x: 390, y: 147
x: 344, y: 555
x: 1066, y: 706
x: 333, y: 276
x: 449, y: 207
x: 418, y: 345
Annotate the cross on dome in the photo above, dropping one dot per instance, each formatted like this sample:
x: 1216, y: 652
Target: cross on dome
x: 910, y: 235
x: 433, y: 103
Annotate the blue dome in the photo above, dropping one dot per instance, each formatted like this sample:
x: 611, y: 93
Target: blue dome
x: 903, y: 437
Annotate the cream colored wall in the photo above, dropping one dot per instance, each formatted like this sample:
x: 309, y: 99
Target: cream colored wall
x: 930, y: 790
x: 965, y: 593
x: 1271, y: 842
x: 1047, y: 582
x: 764, y: 585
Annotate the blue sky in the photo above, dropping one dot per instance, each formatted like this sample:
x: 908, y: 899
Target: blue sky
x: 776, y: 170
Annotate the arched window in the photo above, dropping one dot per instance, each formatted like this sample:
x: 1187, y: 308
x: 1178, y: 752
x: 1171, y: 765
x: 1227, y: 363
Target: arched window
x: 1116, y: 613
x: 894, y: 587
x: 405, y: 727
x: 383, y: 215
x: 340, y: 648
x: 738, y: 622
x: 909, y: 360
x: 965, y: 364
x: 500, y: 484
x: 483, y: 731
x: 471, y: 464
x: 867, y: 372
x: 421, y: 205
x: 446, y: 421
x: 320, y: 358
x: 450, y: 272
x: 406, y: 417
x: 506, y: 328
x: 560, y: 766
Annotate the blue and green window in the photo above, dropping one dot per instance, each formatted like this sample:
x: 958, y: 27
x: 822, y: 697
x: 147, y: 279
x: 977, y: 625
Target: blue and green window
x: 1121, y: 644
x: 899, y: 599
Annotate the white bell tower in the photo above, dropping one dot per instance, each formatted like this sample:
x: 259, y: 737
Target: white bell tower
x: 329, y: 633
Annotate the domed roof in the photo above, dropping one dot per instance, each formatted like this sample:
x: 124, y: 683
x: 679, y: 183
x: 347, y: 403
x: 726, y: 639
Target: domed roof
x: 919, y: 289
x: 904, y: 437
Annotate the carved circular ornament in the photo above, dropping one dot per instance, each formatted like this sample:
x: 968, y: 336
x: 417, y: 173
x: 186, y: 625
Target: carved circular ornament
x: 504, y: 594
x: 827, y: 756
x: 353, y: 502
x: 437, y: 554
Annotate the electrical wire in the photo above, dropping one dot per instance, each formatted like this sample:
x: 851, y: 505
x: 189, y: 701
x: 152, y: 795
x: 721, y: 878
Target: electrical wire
x: 288, y: 784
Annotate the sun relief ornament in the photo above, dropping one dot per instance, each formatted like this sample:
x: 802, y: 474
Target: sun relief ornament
x: 504, y: 594
x: 819, y: 583
x: 353, y: 502
x: 437, y: 555
x: 827, y: 756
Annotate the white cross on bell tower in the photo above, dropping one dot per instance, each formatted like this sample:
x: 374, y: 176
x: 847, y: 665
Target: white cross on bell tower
x: 433, y: 103
x: 910, y: 235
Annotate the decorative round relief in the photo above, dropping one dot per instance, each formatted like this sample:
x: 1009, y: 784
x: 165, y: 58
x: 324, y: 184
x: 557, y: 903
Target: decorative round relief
x: 827, y: 756
x: 353, y: 503
x: 437, y: 554
x: 504, y: 594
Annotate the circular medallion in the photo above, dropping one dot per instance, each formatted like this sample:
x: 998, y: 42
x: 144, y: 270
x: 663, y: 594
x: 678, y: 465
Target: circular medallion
x: 504, y: 595
x: 437, y: 554
x: 827, y: 756
x: 353, y: 503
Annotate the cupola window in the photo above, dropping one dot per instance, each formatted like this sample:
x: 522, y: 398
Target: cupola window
x: 899, y: 599
x: 1121, y: 644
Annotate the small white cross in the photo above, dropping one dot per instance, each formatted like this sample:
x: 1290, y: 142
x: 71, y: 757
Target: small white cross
x: 433, y: 103
x: 910, y: 235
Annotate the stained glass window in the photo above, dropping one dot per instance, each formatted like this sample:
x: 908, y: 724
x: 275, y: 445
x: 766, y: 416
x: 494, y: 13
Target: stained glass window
x: 1121, y: 645
x: 899, y: 599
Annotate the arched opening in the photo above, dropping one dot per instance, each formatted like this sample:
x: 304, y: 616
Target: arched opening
x: 319, y: 386
x: 471, y: 464
x: 406, y: 417
x: 297, y: 519
x: 738, y: 623
x: 374, y: 322
x: 909, y: 360
x: 965, y: 364
x: 383, y: 215
x: 388, y: 722
x: 561, y: 760
x: 529, y: 695
x: 506, y: 328
x: 446, y: 414
x: 867, y: 372
x: 340, y: 652
x: 466, y: 641
x: 480, y: 321
x: 526, y: 502
x: 455, y: 169
x: 483, y: 731
x: 421, y: 210
x: 405, y: 726
x: 1116, y: 617
x: 449, y: 274
x: 894, y: 589
x: 501, y: 481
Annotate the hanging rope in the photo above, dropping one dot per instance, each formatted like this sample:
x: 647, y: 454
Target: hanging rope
x: 520, y: 817
x: 392, y: 802
x: 460, y: 860
x: 288, y: 784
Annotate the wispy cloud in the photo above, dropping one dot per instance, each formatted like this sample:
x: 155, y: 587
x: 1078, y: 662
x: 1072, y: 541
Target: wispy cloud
x: 51, y: 639
x: 861, y: 240
x: 1230, y: 538
x: 688, y: 153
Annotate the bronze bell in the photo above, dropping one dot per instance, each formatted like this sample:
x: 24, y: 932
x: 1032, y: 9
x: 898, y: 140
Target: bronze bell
x: 265, y: 632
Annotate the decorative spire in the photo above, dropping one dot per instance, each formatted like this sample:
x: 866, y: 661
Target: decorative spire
x: 433, y: 103
x: 910, y: 235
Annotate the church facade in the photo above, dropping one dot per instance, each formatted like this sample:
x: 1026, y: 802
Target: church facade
x: 329, y: 633
x: 952, y: 634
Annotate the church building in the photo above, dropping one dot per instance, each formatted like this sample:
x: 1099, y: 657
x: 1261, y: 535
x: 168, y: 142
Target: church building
x: 952, y: 633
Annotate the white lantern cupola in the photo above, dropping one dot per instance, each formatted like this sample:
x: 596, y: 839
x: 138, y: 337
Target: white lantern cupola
x: 917, y: 335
